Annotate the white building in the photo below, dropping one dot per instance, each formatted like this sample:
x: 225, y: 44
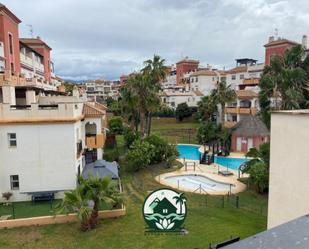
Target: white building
x: 99, y: 90
x: 173, y: 98
x: 44, y: 147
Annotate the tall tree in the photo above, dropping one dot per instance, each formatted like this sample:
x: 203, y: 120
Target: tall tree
x: 156, y: 70
x: 284, y: 82
x: 223, y: 94
x: 207, y: 108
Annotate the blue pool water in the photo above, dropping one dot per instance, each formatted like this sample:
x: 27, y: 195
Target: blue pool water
x: 232, y: 163
x: 191, y: 152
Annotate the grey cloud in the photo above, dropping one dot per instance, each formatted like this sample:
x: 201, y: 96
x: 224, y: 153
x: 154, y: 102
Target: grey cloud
x: 108, y: 38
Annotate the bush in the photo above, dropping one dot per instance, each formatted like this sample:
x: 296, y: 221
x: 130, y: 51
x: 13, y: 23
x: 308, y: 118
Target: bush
x: 183, y: 111
x: 162, y: 151
x: 130, y: 136
x: 152, y: 150
x: 139, y: 155
x: 159, y: 148
x: 164, y: 112
x: 115, y: 126
x: 111, y: 155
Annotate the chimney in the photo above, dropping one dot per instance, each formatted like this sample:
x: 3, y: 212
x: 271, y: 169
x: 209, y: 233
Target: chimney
x: 304, y: 41
x: 271, y: 39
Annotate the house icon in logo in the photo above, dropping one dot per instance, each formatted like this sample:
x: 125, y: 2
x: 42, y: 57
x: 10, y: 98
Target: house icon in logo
x: 164, y: 207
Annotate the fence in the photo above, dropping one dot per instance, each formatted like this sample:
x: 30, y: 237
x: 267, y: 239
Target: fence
x: 27, y: 209
x: 239, y: 201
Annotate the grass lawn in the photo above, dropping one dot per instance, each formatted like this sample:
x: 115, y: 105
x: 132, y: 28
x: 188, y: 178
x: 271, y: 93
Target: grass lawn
x: 205, y: 224
x: 175, y: 131
x: 207, y: 220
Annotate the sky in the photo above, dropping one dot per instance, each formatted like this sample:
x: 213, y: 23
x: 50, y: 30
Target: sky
x: 94, y: 39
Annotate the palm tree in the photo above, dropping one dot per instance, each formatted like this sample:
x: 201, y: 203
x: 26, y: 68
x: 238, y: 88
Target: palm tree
x: 99, y: 191
x: 156, y: 70
x: 75, y: 201
x: 223, y: 94
x: 87, y: 198
x: 180, y: 199
x: 284, y: 82
x: 207, y: 108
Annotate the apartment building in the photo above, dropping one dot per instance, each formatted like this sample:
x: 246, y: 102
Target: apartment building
x: 26, y: 69
x: 173, y: 98
x: 45, y: 145
x: 99, y: 90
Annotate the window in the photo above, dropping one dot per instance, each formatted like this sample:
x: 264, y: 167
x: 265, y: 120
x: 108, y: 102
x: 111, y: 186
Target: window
x: 14, y: 179
x: 11, y: 43
x: 242, y: 76
x: 196, y: 79
x: 12, y: 68
x: 12, y: 139
x: 234, y: 77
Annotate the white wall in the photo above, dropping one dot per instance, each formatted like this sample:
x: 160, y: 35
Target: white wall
x: 289, y: 167
x: 205, y: 84
x: 44, y: 159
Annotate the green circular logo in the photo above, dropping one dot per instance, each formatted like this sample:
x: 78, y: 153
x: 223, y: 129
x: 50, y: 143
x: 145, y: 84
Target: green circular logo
x: 165, y: 210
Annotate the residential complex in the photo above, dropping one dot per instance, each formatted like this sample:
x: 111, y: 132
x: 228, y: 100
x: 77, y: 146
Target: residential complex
x: 26, y: 69
x: 99, y: 90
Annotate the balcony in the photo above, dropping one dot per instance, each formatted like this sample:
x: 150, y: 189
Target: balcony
x: 7, y: 79
x: 251, y: 81
x: 95, y: 141
x: 231, y: 110
x: 244, y: 110
x: 241, y: 110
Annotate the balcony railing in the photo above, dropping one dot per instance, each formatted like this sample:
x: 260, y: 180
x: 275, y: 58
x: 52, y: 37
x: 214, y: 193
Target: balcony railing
x: 95, y: 141
x: 241, y: 110
x: 251, y: 81
x: 7, y: 79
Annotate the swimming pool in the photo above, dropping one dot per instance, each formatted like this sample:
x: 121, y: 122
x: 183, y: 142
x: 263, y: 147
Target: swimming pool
x: 191, y: 152
x: 195, y: 182
x: 230, y: 162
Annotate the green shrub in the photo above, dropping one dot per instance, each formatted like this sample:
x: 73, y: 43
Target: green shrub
x: 115, y: 126
x: 139, y: 155
x: 159, y: 148
x: 130, y: 136
x: 111, y: 155
x: 183, y: 111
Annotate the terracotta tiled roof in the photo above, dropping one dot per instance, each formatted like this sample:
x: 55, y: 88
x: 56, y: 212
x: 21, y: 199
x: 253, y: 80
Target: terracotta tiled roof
x: 100, y: 106
x: 279, y: 42
x: 244, y: 94
x: 238, y: 70
x: 250, y: 126
x: 92, y: 110
x: 204, y: 73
